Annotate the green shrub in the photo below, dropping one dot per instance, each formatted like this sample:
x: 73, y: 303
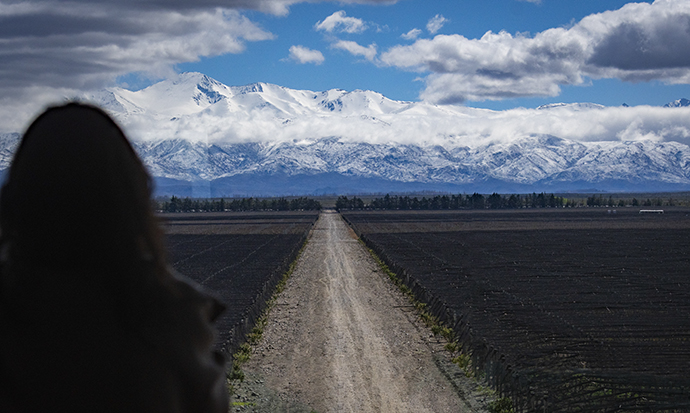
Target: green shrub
x: 504, y: 405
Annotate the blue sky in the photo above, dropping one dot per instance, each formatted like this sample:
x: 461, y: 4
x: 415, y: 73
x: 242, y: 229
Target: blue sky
x: 535, y: 52
x: 267, y: 61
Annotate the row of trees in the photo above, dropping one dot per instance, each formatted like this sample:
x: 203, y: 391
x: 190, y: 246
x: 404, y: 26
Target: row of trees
x: 610, y: 202
x: 175, y: 204
x: 474, y: 201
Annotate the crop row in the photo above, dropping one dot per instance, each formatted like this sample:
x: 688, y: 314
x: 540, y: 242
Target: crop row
x: 241, y: 267
x: 562, y: 311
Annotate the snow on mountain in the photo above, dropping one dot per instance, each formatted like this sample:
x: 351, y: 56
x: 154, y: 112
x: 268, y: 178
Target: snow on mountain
x: 192, y: 93
x: 680, y: 103
x: 198, y: 108
x: 571, y: 106
x: 188, y: 94
x: 540, y: 161
x: 633, y: 162
x: 8, y: 146
x: 263, y: 139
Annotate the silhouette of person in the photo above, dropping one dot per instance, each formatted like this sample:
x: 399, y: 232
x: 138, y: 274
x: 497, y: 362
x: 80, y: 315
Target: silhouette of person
x: 91, y: 316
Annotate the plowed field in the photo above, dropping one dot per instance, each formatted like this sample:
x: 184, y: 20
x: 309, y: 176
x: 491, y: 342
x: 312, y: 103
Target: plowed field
x: 238, y: 256
x: 564, y: 310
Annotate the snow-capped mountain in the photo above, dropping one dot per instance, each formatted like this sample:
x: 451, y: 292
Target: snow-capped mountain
x: 195, y: 93
x: 680, y: 103
x: 532, y: 163
x: 202, y: 138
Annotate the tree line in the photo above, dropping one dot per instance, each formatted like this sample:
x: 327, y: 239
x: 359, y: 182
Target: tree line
x: 474, y: 201
x: 610, y: 202
x: 176, y: 204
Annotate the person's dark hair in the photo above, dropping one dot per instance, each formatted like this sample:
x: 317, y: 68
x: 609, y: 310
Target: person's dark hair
x: 91, y: 317
x: 78, y: 196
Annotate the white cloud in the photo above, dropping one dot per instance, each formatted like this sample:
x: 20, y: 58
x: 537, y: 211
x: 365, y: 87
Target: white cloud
x: 639, y: 42
x: 412, y: 34
x: 532, y: 1
x: 436, y: 23
x: 496, y: 66
x: 339, y: 21
x: 356, y: 49
x: 303, y: 55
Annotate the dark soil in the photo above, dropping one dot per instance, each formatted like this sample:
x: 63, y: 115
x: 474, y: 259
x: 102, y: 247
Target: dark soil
x: 562, y: 309
x: 238, y: 256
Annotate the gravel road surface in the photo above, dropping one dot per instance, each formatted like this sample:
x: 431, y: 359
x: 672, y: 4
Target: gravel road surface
x: 342, y: 338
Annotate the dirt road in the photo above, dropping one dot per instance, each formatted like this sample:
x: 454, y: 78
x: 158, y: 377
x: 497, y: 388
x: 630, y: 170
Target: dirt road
x: 342, y: 339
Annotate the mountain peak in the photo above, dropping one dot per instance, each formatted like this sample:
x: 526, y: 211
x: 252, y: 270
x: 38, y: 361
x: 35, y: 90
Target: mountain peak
x: 680, y: 103
x: 195, y: 78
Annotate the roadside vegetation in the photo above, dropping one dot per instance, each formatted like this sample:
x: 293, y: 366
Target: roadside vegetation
x: 243, y: 353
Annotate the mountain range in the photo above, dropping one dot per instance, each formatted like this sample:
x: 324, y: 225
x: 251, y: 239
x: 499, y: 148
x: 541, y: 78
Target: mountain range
x: 201, y: 138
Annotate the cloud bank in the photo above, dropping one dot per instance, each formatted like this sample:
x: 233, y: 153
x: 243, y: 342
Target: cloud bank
x: 639, y: 42
x: 464, y: 127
